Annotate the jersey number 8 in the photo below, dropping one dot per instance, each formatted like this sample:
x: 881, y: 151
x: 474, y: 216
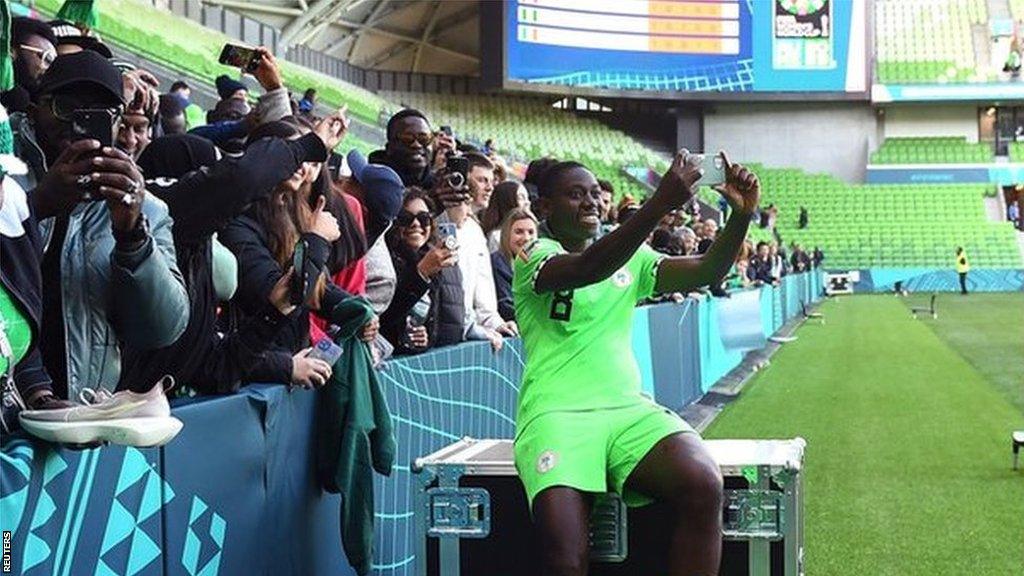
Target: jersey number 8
x: 561, y: 305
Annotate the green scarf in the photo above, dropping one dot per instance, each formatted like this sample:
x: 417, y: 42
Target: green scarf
x: 81, y: 12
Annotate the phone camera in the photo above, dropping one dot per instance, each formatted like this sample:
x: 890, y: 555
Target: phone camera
x: 455, y: 180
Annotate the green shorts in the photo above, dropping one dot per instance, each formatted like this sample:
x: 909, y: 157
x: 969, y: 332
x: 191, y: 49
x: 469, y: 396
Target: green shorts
x: 592, y: 450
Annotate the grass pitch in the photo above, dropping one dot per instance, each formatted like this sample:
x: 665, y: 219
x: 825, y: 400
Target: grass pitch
x: 908, y: 427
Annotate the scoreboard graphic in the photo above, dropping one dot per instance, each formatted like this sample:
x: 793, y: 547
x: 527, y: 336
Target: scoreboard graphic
x: 688, y: 45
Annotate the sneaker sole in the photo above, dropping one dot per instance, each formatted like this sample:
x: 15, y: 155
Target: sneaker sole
x: 137, y: 432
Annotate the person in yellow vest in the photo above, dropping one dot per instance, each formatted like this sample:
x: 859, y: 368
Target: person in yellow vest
x: 962, y: 268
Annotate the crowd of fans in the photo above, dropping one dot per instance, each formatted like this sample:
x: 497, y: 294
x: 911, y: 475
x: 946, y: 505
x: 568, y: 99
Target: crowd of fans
x: 217, y: 246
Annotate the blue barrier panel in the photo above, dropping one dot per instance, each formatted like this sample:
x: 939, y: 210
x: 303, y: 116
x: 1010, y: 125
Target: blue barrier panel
x: 676, y: 353
x: 715, y: 360
x: 941, y: 280
x: 642, y: 348
x: 436, y: 399
x: 235, y: 492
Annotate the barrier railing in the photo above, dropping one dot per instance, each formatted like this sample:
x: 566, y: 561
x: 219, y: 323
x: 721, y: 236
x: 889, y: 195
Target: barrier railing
x: 235, y: 492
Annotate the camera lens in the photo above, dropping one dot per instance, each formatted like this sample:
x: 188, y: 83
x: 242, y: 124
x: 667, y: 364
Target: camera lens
x: 456, y: 180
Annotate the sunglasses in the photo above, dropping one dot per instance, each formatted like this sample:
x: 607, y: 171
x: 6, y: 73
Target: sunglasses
x: 408, y: 138
x: 406, y: 218
x: 46, y: 56
x: 63, y: 108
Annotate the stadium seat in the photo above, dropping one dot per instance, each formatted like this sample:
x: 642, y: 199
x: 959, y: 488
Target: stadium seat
x: 928, y: 41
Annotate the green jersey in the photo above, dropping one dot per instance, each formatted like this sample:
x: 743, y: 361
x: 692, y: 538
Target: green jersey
x: 579, y: 343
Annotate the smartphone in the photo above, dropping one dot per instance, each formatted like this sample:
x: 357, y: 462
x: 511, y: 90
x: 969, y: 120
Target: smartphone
x: 714, y: 170
x: 448, y: 234
x: 300, y: 283
x: 457, y: 171
x: 238, y: 56
x: 446, y: 130
x: 97, y: 124
x: 325, y: 349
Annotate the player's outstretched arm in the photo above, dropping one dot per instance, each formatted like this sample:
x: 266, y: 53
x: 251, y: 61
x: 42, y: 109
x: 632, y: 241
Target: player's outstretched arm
x: 681, y: 274
x: 602, y: 258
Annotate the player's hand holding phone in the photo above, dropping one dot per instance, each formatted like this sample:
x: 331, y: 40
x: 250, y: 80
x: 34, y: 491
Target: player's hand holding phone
x: 741, y: 188
x: 679, y: 182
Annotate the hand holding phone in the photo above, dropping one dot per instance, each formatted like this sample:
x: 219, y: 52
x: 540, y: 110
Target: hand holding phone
x: 93, y: 124
x: 447, y: 232
x: 238, y: 56
x: 713, y: 166
x: 326, y: 350
x: 301, y: 278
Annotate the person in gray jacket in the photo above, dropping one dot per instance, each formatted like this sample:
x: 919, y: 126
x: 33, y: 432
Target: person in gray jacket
x: 109, y: 270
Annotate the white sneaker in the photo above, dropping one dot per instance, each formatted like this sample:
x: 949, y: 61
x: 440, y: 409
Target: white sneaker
x: 127, y: 418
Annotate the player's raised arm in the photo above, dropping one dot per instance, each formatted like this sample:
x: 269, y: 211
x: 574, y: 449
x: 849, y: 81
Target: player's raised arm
x: 576, y: 200
x: 681, y: 274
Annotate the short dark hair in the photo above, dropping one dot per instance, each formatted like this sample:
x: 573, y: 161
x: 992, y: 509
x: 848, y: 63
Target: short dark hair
x: 180, y: 85
x: 310, y: 92
x: 404, y: 113
x: 478, y: 160
x: 536, y: 169
x: 762, y: 243
x: 606, y: 185
x: 555, y: 171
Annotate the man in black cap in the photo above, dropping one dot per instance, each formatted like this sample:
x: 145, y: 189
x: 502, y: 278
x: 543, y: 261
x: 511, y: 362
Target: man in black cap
x: 71, y: 39
x: 32, y: 52
x: 109, y: 271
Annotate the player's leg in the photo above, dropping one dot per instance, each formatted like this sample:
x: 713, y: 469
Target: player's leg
x: 679, y: 472
x: 963, y: 283
x: 562, y: 517
x: 560, y: 457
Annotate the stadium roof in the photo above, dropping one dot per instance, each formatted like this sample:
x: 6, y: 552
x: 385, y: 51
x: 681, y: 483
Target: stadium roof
x: 429, y: 36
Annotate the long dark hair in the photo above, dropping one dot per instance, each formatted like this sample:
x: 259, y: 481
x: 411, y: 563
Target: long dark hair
x: 352, y: 244
x: 504, y: 200
x: 393, y: 238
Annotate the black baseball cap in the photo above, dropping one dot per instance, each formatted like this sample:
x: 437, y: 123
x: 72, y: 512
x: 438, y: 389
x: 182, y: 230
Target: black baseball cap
x: 67, y: 33
x: 86, y: 67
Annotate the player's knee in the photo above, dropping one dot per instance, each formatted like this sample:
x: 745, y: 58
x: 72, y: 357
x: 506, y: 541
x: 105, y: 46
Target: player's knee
x: 703, y: 490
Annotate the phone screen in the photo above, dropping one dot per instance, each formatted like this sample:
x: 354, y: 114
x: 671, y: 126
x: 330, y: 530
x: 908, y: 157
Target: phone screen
x: 93, y: 124
x: 299, y: 280
x: 238, y: 56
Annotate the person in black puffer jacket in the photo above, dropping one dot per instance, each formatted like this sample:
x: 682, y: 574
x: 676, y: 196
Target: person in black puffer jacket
x: 427, y: 308
x: 264, y: 240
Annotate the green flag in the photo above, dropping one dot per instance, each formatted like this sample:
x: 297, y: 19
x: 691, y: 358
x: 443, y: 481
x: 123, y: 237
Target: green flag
x: 81, y: 12
x: 6, y: 67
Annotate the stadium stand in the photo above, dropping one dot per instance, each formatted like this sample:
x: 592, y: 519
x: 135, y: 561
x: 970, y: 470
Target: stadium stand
x: 932, y: 150
x: 900, y: 225
x: 1016, y: 151
x: 927, y: 41
x: 192, y: 49
x: 530, y: 128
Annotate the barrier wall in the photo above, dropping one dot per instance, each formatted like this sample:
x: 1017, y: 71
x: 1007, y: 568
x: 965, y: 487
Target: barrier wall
x: 235, y: 492
x: 932, y: 280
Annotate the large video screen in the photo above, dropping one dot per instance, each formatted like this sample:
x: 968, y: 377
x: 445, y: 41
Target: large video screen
x: 689, y: 46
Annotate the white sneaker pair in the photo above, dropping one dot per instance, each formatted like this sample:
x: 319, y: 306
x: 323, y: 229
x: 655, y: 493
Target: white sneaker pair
x: 127, y: 418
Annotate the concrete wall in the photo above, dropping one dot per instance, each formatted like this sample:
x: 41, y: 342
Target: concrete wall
x: 928, y: 120
x: 818, y: 137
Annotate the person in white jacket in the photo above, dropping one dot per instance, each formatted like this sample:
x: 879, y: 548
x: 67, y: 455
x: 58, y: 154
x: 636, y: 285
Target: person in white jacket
x: 481, y: 319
